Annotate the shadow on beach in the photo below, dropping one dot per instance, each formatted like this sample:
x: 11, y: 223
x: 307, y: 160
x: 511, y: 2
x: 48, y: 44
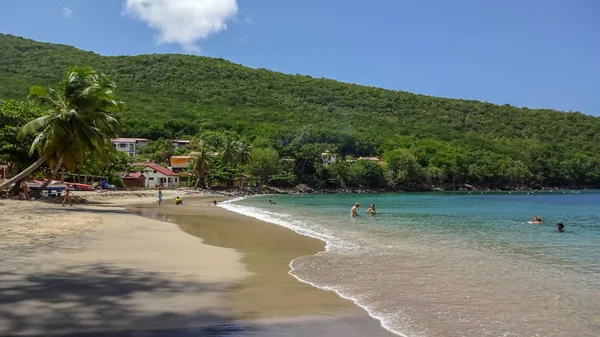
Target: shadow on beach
x: 101, y: 299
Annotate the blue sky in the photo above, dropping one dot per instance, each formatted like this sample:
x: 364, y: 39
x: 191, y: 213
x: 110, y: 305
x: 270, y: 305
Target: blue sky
x: 535, y: 53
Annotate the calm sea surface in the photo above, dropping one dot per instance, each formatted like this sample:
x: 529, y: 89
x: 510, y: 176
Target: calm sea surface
x: 454, y: 264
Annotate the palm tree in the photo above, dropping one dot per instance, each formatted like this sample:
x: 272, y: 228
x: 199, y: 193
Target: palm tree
x: 80, y: 120
x: 201, y: 162
x: 194, y: 142
x: 243, y: 151
x: 330, y: 155
x: 244, y: 158
x: 229, y: 152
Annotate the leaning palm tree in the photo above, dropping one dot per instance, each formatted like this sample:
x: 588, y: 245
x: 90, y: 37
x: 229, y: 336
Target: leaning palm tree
x: 201, y: 162
x: 79, y: 120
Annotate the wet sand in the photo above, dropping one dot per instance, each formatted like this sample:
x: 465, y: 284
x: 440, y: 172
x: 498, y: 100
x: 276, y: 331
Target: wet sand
x: 269, y: 297
x: 125, y: 275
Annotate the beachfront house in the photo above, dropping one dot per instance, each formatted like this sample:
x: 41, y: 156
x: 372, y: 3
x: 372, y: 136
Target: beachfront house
x: 158, y: 176
x: 134, y: 179
x: 179, y: 163
x: 129, y: 145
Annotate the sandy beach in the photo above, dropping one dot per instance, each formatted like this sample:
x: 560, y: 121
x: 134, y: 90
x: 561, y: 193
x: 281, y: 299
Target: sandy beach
x: 191, y: 270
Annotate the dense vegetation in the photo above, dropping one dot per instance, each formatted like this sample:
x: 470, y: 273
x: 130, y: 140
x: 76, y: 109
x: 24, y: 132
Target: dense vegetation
x: 425, y: 140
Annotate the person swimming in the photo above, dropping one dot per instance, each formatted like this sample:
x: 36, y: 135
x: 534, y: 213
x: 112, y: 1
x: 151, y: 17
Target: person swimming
x: 560, y: 227
x: 537, y: 219
x: 353, y: 210
x: 371, y: 210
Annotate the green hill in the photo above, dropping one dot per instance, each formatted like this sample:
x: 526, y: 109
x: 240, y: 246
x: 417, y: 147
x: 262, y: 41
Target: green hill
x: 467, y: 141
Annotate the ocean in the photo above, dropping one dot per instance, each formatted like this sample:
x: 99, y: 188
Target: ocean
x: 453, y: 264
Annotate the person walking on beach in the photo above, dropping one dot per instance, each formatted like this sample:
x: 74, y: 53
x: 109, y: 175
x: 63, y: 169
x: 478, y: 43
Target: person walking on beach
x: 67, y: 196
x: 160, y: 195
x: 353, y: 210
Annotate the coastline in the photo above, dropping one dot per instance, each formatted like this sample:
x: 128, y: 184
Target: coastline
x: 382, y: 321
x: 466, y: 188
x: 118, y: 273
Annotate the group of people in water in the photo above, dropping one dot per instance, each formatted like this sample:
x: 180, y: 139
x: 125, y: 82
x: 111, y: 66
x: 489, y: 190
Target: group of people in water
x: 560, y: 227
x: 354, y: 211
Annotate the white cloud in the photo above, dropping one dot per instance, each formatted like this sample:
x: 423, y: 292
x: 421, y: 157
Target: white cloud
x: 183, y: 21
x: 67, y: 12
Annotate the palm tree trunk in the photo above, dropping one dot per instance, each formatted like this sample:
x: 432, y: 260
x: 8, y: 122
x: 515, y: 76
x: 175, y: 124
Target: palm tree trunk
x: 54, y: 173
x: 24, y: 173
x: 17, y: 188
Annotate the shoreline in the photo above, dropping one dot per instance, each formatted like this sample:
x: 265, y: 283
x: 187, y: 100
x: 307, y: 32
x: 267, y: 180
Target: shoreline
x: 154, y: 278
x: 326, y: 243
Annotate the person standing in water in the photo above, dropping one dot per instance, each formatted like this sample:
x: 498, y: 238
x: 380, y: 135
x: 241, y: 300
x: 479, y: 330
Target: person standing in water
x: 560, y: 227
x: 371, y: 210
x: 353, y: 210
x: 160, y: 195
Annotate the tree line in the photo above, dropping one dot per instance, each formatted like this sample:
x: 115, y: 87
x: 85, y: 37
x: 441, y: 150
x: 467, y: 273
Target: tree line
x: 70, y: 125
x: 424, y: 140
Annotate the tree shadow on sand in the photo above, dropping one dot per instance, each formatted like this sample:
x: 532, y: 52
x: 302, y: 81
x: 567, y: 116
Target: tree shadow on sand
x: 100, y: 299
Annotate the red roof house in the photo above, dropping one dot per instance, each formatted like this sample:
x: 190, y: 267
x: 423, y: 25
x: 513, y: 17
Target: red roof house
x: 158, y: 176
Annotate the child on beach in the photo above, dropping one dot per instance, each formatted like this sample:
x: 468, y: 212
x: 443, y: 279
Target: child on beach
x: 178, y: 201
x: 160, y: 195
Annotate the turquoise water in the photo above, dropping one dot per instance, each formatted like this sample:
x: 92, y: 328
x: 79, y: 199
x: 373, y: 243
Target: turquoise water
x: 454, y: 264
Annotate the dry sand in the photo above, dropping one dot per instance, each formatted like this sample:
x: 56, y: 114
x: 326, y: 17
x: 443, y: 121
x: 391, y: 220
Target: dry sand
x: 100, y: 268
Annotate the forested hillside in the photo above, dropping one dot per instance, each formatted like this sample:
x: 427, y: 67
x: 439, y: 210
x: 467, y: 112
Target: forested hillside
x: 423, y: 138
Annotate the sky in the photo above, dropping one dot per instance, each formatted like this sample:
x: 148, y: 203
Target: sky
x: 534, y: 53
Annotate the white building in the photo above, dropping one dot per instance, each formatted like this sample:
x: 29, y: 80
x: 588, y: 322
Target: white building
x: 129, y: 145
x: 180, y: 143
x: 158, y: 176
x: 328, y: 158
